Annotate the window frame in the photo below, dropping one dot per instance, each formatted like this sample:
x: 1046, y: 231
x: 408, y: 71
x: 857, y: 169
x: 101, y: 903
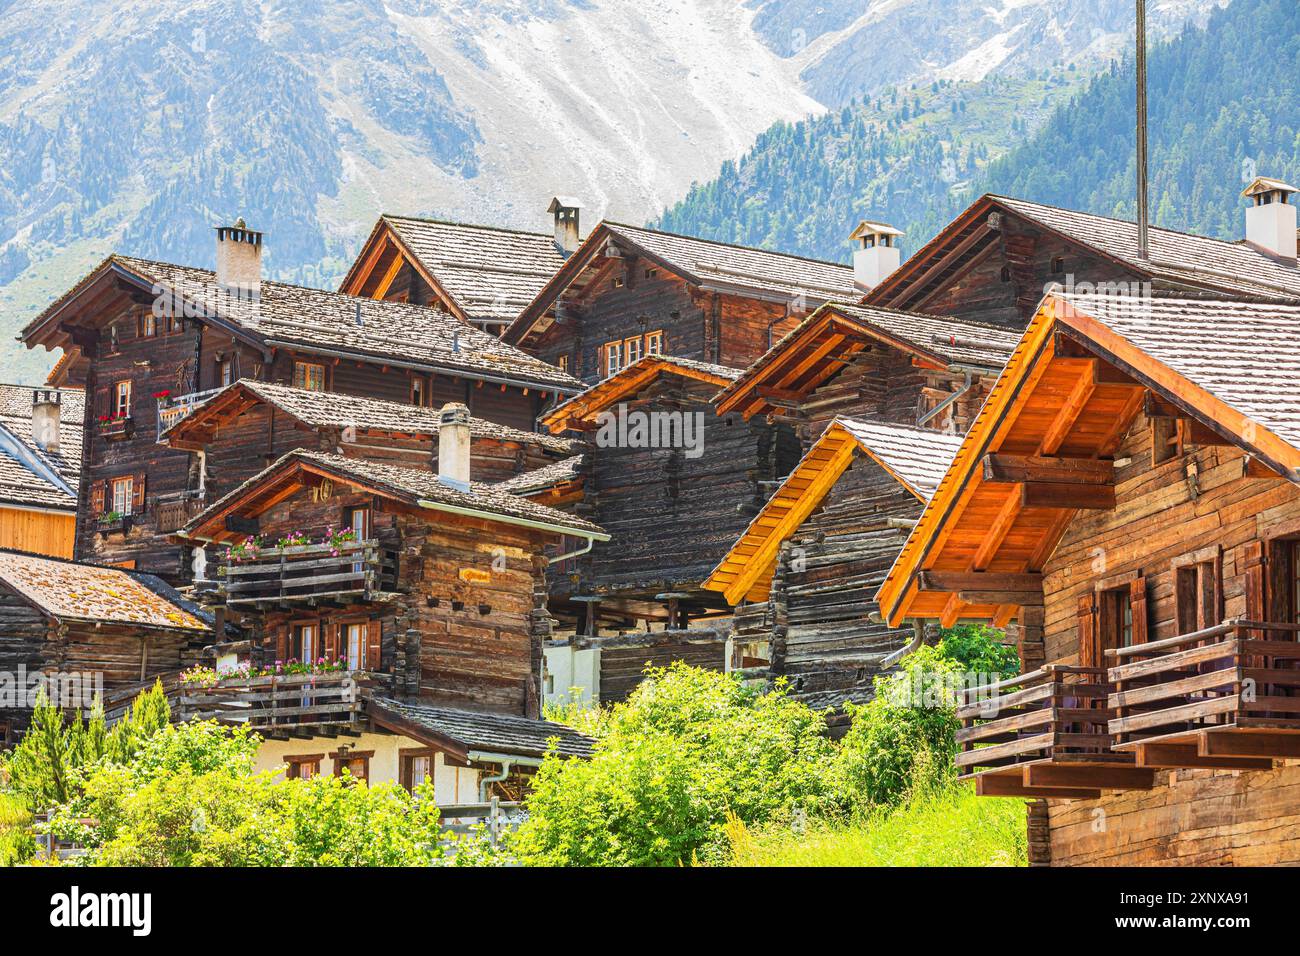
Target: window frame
x: 122, y: 391
x: 293, y: 764
x: 339, y: 759
x: 655, y: 338
x: 612, y: 357
x: 306, y: 376
x: 405, y: 769
x: 128, y: 502
x: 1198, y: 589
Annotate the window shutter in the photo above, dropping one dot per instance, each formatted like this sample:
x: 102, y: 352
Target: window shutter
x: 1137, y: 598
x: 332, y: 641
x: 101, y: 403
x: 374, y: 645
x: 98, y: 489
x: 1089, y: 652
x: 1277, y: 597
x: 137, y: 492
x: 1252, y: 560
x: 282, y: 642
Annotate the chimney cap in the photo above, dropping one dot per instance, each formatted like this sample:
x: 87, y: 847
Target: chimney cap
x: 868, y: 227
x: 239, y: 232
x: 563, y: 202
x: 1261, y: 185
x: 454, y: 413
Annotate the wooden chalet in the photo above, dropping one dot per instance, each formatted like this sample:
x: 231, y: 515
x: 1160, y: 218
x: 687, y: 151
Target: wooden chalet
x: 628, y: 292
x: 87, y: 630
x: 1128, y: 496
x: 249, y: 424
x: 483, y: 275
x: 40, y: 467
x: 151, y: 340
x: 995, y: 261
x: 673, y: 483
x: 802, y: 575
x: 434, y: 605
x: 872, y: 364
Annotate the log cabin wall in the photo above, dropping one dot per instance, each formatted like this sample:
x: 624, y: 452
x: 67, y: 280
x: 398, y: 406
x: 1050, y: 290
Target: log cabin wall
x: 821, y: 591
x: 672, y: 517
x: 441, y: 638
x: 623, y: 669
x: 1192, y: 817
x: 749, y: 327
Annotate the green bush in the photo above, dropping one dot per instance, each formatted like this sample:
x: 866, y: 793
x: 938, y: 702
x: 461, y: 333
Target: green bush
x: 979, y: 649
x: 687, y: 747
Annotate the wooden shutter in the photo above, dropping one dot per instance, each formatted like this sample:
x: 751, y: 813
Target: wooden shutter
x: 282, y: 642
x: 98, y: 489
x: 1277, y: 590
x: 374, y: 645
x: 137, y: 492
x: 102, y: 405
x: 332, y: 632
x: 1252, y: 561
x: 1137, y: 599
x: 1089, y: 649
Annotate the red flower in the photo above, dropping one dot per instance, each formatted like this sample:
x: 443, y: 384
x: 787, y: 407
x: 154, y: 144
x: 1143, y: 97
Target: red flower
x: 162, y: 394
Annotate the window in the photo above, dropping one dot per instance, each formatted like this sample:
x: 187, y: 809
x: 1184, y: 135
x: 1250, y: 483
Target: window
x: 306, y: 642
x: 302, y: 766
x: 354, y: 646
x: 225, y: 372
x: 1198, y: 590
x: 563, y: 363
x: 355, y: 762
x: 416, y: 768
x: 418, y: 395
x: 613, y: 358
x: 122, y: 400
x: 1113, y: 616
x: 1005, y: 274
x: 148, y: 325
x: 123, y: 495
x: 1166, y: 440
x: 1116, y: 623
x: 309, y: 375
x: 654, y: 343
x: 1058, y: 265
x: 632, y: 350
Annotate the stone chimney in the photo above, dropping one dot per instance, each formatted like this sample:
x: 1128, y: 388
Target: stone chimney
x: 565, y: 209
x: 454, y: 446
x: 239, y: 260
x: 46, y: 411
x: 875, y: 252
x: 1271, y: 219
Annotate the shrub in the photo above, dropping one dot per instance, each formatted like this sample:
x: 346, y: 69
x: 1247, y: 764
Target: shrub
x: 687, y: 747
x: 979, y: 649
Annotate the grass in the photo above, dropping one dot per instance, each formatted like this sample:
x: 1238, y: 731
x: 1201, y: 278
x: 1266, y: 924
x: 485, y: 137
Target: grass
x: 951, y: 827
x: 15, y: 834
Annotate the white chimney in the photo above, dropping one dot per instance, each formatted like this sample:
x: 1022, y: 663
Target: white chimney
x: 239, y: 260
x: 875, y: 252
x: 454, y: 446
x: 46, y: 412
x: 1271, y: 219
x: 565, y: 209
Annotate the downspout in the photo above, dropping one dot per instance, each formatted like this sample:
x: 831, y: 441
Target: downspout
x: 967, y: 385
x: 918, y: 638
x: 507, y: 762
x: 572, y: 554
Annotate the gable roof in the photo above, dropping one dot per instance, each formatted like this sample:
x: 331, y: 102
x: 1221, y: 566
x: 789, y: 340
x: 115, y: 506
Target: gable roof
x: 484, y: 273
x: 469, y: 732
x: 1229, y: 367
x: 1177, y: 259
x: 819, y: 347
x: 915, y: 457
x: 73, y: 591
x: 324, y: 323
x: 585, y: 406
x: 316, y: 409
x: 544, y: 478
x: 417, y: 487
x: 29, y: 476
x: 718, y: 266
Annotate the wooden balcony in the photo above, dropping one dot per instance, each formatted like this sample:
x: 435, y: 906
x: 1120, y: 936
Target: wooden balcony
x: 1044, y: 734
x: 276, y: 705
x: 173, y: 409
x: 1224, y: 697
x: 311, y: 574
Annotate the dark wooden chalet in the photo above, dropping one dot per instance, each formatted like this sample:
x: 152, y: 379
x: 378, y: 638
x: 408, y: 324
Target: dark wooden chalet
x: 802, y: 575
x: 481, y: 274
x: 249, y: 424
x: 872, y: 364
x: 151, y: 340
x: 86, y: 630
x: 40, y: 468
x: 433, y: 604
x: 1129, y: 496
x: 674, y: 484
x: 629, y: 292
x: 995, y: 261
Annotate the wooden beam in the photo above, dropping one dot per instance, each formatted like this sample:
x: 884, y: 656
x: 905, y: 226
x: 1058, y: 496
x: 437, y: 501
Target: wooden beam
x: 1248, y: 744
x: 241, y: 525
x: 989, y: 785
x: 390, y: 275
x: 998, y: 531
x: 1055, y: 494
x: 1007, y: 469
x: 1014, y: 598
x: 1090, y: 775
x: 1070, y: 411
x: 1185, y: 756
x: 979, y: 581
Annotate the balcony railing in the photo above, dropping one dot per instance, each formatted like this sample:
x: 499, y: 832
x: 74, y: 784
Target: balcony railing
x: 275, y: 704
x: 1043, y: 733
x: 311, y: 573
x: 171, y: 410
x: 1224, y: 696
x: 173, y: 512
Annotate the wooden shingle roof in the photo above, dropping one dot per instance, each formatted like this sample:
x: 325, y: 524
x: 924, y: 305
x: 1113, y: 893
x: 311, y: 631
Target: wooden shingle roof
x: 29, y: 476
x: 317, y: 409
x: 474, y: 731
x: 540, y: 479
x: 73, y: 591
x: 412, y: 486
x: 815, y: 350
x: 329, y: 323
x: 916, y: 457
